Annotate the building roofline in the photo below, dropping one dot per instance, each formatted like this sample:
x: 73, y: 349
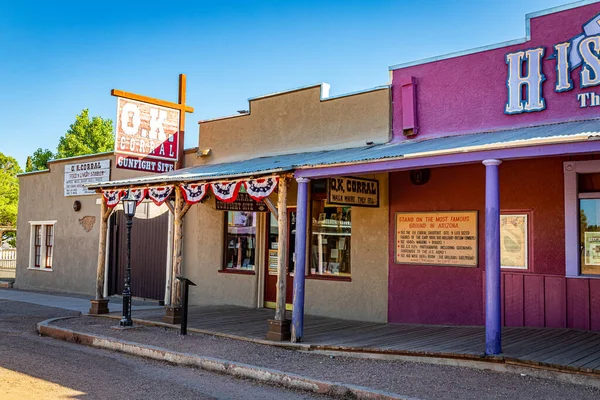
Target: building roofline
x: 33, y: 173
x: 494, y: 46
x: 81, y: 157
x: 324, y: 97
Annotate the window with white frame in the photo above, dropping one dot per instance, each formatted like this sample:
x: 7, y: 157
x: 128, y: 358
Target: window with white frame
x: 41, y: 245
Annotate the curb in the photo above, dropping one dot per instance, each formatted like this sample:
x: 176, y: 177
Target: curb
x: 235, y: 369
x: 501, y: 363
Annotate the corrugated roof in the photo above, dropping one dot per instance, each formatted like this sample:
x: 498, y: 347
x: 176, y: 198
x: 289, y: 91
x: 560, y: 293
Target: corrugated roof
x: 528, y: 136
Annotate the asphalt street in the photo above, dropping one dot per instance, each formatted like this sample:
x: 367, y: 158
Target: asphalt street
x: 34, y: 367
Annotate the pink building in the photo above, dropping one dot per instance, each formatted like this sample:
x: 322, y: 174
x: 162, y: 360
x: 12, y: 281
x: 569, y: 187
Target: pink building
x: 495, y: 181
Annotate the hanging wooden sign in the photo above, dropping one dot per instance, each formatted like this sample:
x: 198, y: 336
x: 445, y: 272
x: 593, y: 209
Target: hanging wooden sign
x: 243, y: 202
x: 353, y: 191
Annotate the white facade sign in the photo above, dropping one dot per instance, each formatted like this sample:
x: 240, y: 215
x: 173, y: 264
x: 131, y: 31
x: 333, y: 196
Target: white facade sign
x: 77, y: 175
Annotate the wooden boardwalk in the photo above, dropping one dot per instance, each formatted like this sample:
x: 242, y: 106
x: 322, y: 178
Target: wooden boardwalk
x: 565, y: 349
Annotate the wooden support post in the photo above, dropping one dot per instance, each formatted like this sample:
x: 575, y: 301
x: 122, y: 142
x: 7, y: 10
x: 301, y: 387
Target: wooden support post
x: 279, y: 327
x: 173, y: 311
x: 282, y: 249
x: 100, y: 304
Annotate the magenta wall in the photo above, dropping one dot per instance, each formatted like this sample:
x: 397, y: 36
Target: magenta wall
x: 468, y: 93
x: 538, y: 297
x: 454, y: 295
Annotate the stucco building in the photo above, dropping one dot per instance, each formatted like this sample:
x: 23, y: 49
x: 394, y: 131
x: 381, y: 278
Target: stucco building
x: 466, y: 193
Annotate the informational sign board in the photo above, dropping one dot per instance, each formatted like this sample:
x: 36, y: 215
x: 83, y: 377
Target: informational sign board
x: 353, y: 191
x: 437, y: 238
x: 514, y: 241
x: 592, y: 248
x: 77, y: 175
x: 243, y: 203
x: 146, y: 136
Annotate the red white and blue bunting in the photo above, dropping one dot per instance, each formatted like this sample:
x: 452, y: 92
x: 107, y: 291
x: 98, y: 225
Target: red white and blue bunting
x: 193, y: 194
x: 258, y: 189
x: 112, y: 197
x: 226, y: 191
x: 159, y: 194
x: 139, y: 194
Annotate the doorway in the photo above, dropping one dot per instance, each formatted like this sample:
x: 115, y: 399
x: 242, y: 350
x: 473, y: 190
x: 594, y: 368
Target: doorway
x: 272, y: 257
x: 149, y: 236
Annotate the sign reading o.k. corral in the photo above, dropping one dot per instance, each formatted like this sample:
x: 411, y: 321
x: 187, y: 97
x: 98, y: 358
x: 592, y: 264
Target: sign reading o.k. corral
x: 147, y: 136
x: 353, y: 191
x: 77, y: 175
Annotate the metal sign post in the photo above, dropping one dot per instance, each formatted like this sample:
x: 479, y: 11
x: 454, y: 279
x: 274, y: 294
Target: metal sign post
x: 186, y: 284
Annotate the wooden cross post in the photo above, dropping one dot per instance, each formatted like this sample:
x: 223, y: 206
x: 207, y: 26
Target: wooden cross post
x: 180, y: 208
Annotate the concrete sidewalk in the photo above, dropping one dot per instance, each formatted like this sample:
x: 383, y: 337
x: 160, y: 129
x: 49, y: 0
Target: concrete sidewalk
x: 80, y: 304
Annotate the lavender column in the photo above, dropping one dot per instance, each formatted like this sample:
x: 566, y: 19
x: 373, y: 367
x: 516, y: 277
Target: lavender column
x: 493, y: 328
x: 298, y: 302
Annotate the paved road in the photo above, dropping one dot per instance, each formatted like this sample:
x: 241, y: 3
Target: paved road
x: 34, y: 367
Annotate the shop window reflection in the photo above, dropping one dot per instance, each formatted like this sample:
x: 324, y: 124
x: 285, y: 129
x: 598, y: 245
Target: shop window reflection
x: 589, y: 231
x: 330, y: 239
x: 240, y: 240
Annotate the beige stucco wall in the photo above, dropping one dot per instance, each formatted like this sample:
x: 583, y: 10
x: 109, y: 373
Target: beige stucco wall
x: 298, y: 121
x: 365, y: 298
x: 41, y: 198
x: 295, y: 121
x: 203, y: 258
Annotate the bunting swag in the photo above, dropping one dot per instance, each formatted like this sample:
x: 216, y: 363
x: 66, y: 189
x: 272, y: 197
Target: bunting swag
x: 139, y: 194
x: 159, y: 194
x: 226, y: 191
x: 258, y: 189
x: 194, y: 193
x: 112, y: 197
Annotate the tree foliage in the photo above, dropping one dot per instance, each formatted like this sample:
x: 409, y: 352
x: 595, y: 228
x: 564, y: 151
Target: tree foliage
x: 9, y: 190
x: 39, y: 160
x: 86, y: 136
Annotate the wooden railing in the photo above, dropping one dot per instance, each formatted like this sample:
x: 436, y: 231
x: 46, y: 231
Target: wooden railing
x: 8, y: 259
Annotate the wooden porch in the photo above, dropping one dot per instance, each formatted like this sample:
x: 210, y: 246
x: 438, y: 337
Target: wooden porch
x: 565, y: 349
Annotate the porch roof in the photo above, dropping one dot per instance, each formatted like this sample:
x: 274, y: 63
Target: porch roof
x: 526, y: 137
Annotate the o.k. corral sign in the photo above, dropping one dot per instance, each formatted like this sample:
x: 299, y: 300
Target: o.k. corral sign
x: 353, y: 191
x: 147, y: 136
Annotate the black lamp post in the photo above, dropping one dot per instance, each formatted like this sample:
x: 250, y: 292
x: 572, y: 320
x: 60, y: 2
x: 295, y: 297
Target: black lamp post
x: 129, y: 205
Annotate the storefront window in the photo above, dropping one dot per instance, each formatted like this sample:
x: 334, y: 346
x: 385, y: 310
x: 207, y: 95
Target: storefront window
x: 274, y: 243
x: 240, y: 240
x: 589, y: 231
x: 330, y: 239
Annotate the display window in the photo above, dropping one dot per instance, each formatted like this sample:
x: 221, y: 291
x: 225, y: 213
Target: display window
x: 330, y: 236
x: 273, y: 243
x: 589, y: 232
x: 240, y: 241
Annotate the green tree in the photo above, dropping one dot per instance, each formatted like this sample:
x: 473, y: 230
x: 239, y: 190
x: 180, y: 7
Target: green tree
x: 86, y: 136
x: 28, y: 164
x: 9, y: 192
x: 39, y: 160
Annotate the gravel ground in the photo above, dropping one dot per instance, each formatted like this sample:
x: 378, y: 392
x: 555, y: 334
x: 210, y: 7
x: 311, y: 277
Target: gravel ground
x: 424, y: 381
x: 34, y: 367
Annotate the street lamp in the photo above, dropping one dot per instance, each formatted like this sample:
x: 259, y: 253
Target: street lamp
x: 129, y: 205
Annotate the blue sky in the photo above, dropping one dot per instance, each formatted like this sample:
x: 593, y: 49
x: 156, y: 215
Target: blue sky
x: 57, y: 58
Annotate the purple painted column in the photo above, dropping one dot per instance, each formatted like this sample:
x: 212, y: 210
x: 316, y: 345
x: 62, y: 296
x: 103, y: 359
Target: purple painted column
x: 493, y: 321
x: 299, y: 273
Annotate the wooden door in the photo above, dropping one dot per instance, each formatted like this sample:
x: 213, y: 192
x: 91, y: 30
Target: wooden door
x: 271, y: 264
x: 148, y: 255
